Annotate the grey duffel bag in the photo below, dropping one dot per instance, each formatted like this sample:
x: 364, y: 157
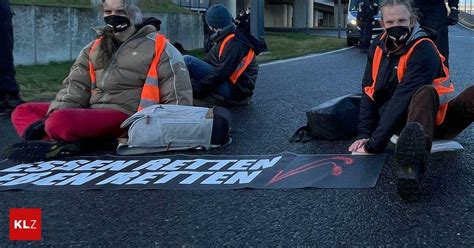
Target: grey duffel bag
x: 161, y: 128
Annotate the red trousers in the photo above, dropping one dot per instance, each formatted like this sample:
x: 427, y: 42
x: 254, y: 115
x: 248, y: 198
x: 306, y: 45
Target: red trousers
x: 70, y: 124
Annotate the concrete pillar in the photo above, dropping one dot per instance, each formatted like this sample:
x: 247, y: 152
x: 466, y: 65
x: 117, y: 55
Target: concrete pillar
x: 276, y: 15
x: 310, y: 13
x: 257, y: 19
x: 300, y: 14
x: 232, y: 5
x: 316, y: 19
x: 289, y: 16
x: 337, y: 14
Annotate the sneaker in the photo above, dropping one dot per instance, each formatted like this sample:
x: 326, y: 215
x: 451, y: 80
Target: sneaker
x: 411, y: 158
x: 35, y: 151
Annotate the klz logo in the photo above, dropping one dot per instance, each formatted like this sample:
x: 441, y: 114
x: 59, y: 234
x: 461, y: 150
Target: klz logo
x: 25, y: 223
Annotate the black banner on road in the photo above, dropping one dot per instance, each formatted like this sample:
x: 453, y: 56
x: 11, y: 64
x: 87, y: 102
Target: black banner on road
x: 286, y: 170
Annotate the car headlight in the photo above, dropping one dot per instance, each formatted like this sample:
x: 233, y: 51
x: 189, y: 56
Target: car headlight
x: 351, y: 20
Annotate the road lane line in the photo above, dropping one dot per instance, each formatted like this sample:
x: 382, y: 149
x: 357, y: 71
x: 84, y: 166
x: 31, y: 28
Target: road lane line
x: 305, y: 57
x: 461, y: 36
x: 466, y: 27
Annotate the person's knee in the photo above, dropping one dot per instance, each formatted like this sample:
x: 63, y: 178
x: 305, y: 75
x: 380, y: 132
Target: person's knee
x: 467, y: 97
x: 187, y: 59
x: 58, y: 126
x: 470, y: 92
x: 29, y: 109
x: 426, y: 91
x: 21, y: 110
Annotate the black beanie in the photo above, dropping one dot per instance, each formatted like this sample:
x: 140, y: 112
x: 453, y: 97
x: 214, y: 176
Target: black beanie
x: 218, y: 16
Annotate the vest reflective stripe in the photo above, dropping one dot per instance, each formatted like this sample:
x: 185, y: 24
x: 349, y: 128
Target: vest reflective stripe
x: 91, y: 67
x: 370, y: 90
x: 226, y: 40
x: 244, y: 63
x: 150, y: 94
x: 438, y: 82
x: 242, y: 66
x: 151, y: 88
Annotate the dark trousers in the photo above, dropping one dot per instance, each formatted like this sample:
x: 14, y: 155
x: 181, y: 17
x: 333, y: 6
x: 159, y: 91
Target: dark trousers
x: 8, y: 83
x: 365, y: 35
x: 223, y: 94
x: 424, y: 107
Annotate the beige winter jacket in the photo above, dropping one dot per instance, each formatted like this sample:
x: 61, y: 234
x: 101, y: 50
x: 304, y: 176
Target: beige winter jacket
x: 119, y: 86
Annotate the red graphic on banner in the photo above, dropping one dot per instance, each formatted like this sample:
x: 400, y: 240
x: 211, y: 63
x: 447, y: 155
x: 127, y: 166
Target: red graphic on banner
x: 25, y: 223
x: 336, y: 169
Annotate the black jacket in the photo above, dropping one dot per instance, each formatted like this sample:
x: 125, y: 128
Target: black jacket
x: 386, y: 115
x: 433, y: 13
x: 366, y: 12
x: 434, y: 4
x: 235, y: 50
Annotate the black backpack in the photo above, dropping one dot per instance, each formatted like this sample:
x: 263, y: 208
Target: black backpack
x: 335, y: 119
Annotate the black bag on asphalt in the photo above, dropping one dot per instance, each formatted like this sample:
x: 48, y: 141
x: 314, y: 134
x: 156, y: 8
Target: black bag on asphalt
x: 332, y: 120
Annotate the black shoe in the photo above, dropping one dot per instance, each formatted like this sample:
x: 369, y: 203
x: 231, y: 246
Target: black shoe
x: 35, y: 131
x: 411, y: 158
x: 36, y: 151
x: 8, y: 103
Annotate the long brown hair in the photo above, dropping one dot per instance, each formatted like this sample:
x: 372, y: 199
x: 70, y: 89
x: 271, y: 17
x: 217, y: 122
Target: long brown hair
x: 108, y: 46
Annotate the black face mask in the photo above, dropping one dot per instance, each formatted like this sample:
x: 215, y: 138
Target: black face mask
x: 398, y: 35
x: 117, y: 23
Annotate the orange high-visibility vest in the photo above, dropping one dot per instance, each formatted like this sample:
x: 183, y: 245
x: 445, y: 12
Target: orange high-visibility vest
x: 244, y: 63
x: 151, y: 88
x: 439, y: 83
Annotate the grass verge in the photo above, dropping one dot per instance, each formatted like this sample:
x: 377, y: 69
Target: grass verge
x: 41, y: 82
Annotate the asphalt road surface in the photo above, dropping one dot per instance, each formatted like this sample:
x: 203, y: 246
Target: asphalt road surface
x: 444, y: 216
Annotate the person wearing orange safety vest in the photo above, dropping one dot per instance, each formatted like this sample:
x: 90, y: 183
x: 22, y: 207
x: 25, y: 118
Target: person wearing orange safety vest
x: 228, y: 73
x: 407, y: 91
x: 127, y: 68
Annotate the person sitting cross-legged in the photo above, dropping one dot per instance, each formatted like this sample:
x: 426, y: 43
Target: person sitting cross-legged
x: 127, y: 68
x: 228, y: 73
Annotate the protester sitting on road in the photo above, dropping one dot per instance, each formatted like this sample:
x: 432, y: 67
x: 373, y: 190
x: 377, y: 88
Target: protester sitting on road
x: 228, y: 73
x: 405, y: 89
x: 127, y: 68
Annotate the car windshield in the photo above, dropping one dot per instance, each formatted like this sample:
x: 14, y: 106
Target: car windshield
x: 355, y: 4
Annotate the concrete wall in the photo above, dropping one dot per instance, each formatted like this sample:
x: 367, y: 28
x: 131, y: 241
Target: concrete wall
x: 47, y: 34
x: 276, y: 15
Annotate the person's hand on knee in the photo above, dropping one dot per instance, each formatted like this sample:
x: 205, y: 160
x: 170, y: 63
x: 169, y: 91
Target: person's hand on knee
x: 358, y: 146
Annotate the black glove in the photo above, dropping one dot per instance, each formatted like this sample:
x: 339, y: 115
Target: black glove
x: 35, y: 131
x: 453, y: 17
